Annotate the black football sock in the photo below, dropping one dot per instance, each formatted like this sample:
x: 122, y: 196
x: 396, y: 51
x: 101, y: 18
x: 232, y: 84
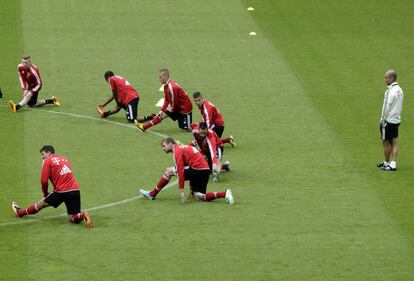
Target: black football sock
x: 18, y: 106
x: 106, y: 114
x: 49, y: 101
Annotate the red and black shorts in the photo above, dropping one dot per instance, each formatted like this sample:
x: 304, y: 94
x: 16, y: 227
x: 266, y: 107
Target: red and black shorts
x: 389, y: 131
x: 184, y: 119
x: 198, y: 179
x: 70, y: 198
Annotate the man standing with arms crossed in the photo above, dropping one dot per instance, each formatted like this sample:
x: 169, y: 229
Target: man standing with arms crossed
x: 390, y: 120
x: 58, y: 170
x: 31, y: 84
x: 177, y: 105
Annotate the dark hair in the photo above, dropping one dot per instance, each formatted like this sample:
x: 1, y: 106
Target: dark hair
x: 168, y: 140
x: 26, y: 57
x: 202, y: 125
x: 196, y: 95
x: 108, y: 74
x: 48, y: 148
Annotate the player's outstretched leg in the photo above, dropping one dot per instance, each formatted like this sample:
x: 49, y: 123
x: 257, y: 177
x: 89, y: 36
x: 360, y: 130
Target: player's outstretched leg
x: 164, y: 180
x: 20, y: 212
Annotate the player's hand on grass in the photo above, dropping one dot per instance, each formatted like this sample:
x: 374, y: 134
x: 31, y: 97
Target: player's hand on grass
x: 183, y: 200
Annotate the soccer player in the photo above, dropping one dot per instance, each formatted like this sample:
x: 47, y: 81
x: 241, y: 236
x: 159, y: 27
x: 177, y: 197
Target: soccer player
x: 58, y: 170
x: 31, y: 83
x: 177, y: 105
x: 189, y: 165
x: 211, y: 146
x: 212, y: 116
x: 390, y: 121
x: 125, y: 96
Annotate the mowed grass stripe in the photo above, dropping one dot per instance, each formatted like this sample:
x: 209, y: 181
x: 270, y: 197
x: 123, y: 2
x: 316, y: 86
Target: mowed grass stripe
x: 287, y: 223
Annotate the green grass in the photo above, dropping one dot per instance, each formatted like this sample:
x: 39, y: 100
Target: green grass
x: 303, y: 98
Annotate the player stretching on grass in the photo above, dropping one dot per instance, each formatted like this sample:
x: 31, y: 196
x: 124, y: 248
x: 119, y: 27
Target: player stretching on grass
x: 212, y: 116
x: 189, y: 165
x: 125, y: 96
x: 31, y: 84
x: 211, y: 146
x: 58, y: 170
x: 177, y: 104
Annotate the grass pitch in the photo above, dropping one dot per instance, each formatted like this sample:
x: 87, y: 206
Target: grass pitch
x: 303, y: 98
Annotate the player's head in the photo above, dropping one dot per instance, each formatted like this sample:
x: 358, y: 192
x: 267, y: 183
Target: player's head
x: 46, y: 151
x: 390, y: 76
x: 202, y: 129
x: 164, y: 75
x: 26, y: 61
x: 198, y: 99
x: 168, y: 144
x: 108, y: 74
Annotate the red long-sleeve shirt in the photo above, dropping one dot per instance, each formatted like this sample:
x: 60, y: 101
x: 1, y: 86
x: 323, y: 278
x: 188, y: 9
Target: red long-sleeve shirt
x: 124, y: 90
x: 175, y: 96
x: 184, y: 156
x: 29, y: 78
x: 211, y: 114
x: 208, y: 144
x: 58, y: 170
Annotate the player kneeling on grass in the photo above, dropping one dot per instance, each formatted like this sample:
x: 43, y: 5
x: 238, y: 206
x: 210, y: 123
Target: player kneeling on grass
x: 191, y: 166
x: 58, y: 170
x: 31, y: 84
x: 211, y: 146
x: 125, y: 96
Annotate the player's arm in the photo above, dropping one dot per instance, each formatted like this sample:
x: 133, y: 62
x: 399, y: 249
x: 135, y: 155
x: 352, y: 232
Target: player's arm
x: 44, y: 179
x: 22, y: 80
x: 213, y: 152
x: 38, y: 81
x: 179, y: 164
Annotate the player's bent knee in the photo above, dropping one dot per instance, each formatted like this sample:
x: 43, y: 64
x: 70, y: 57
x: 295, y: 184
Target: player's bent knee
x: 199, y: 195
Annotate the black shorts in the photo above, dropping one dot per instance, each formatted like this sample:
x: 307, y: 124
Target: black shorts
x: 70, y: 198
x: 198, y: 179
x: 389, y: 131
x: 33, y: 99
x: 131, y: 110
x: 184, y: 119
x: 219, y: 155
x: 219, y: 130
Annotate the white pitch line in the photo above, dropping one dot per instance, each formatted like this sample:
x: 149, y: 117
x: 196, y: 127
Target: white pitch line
x: 97, y: 207
x: 98, y: 119
x: 89, y: 209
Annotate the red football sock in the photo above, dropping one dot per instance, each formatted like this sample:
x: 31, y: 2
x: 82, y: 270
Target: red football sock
x: 225, y: 140
x: 213, y: 195
x: 164, y: 180
x: 77, y: 218
x: 33, y: 209
x: 153, y: 122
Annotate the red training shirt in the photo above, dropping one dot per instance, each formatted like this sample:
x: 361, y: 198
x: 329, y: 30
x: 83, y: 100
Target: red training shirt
x: 186, y: 155
x: 29, y: 77
x: 175, y: 96
x: 211, y: 114
x: 125, y: 92
x: 209, y: 144
x: 58, y: 170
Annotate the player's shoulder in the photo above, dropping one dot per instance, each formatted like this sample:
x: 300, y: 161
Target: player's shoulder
x: 20, y: 67
x: 34, y: 67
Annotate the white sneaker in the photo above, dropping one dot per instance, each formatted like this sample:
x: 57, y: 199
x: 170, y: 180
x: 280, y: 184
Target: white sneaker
x: 229, y: 197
